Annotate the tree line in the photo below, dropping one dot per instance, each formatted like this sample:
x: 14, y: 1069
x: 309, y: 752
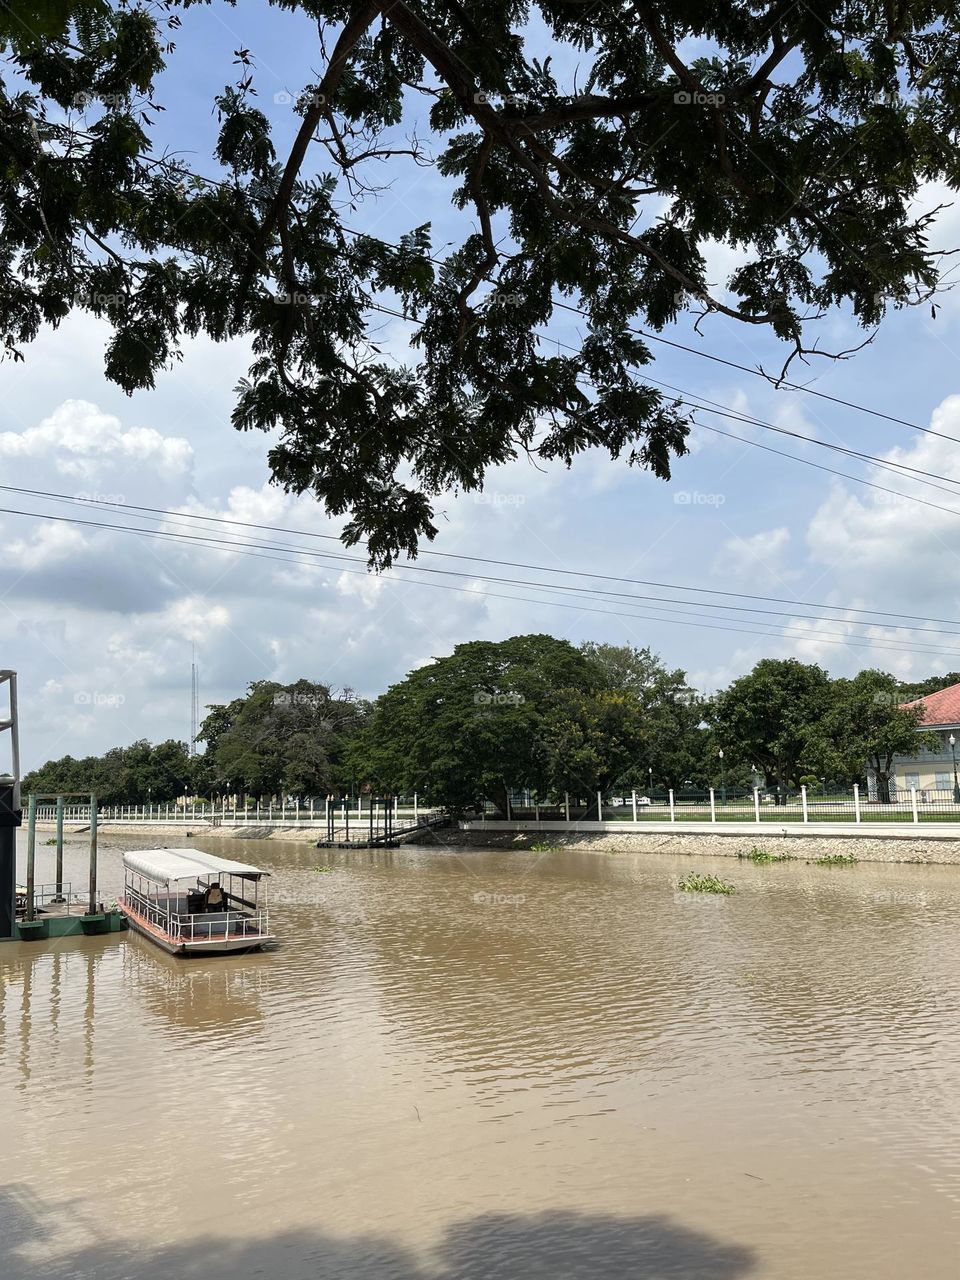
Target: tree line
x: 533, y: 713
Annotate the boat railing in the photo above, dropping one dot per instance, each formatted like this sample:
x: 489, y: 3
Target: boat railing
x: 223, y: 924
x: 193, y: 926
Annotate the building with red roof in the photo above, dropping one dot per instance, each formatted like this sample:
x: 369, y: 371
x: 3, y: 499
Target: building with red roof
x: 932, y: 772
x: 941, y: 710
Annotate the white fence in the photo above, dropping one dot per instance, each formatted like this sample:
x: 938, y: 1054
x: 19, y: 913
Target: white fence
x: 264, y: 813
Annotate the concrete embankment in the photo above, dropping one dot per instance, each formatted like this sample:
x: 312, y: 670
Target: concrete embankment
x: 170, y: 834
x: 898, y: 847
x: 911, y: 848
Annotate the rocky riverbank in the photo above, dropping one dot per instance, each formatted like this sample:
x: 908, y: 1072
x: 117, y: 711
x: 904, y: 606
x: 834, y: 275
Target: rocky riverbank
x: 899, y: 848
x: 864, y: 848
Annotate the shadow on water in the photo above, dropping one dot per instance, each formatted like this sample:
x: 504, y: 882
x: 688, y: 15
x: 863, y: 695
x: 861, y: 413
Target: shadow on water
x: 548, y: 1246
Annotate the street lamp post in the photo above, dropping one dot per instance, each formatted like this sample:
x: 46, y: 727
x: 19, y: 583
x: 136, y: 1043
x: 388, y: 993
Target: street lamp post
x: 650, y: 776
x: 956, y: 784
x: 723, y: 778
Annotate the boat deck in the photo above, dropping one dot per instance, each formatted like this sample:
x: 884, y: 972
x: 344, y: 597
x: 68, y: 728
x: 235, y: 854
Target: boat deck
x: 166, y: 920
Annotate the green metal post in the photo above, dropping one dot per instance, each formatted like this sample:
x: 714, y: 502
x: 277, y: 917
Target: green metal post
x: 59, y: 877
x: 92, y: 905
x: 31, y: 853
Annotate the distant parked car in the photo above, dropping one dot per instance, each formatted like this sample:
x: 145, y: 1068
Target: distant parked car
x: 644, y: 800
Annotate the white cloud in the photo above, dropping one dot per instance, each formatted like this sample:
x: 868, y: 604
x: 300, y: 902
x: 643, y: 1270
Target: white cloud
x: 882, y: 550
x: 78, y: 439
x: 47, y: 545
x: 366, y: 590
x: 756, y: 561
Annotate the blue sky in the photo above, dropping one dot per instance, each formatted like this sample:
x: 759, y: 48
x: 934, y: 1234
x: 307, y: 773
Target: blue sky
x: 100, y: 625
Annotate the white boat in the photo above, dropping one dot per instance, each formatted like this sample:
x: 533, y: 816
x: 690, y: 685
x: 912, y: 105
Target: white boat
x: 193, y: 903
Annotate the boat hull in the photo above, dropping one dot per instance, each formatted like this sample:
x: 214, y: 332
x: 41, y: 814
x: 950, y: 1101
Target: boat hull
x: 177, y: 946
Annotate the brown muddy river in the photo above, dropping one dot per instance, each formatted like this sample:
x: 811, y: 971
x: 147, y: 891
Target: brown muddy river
x: 581, y: 1073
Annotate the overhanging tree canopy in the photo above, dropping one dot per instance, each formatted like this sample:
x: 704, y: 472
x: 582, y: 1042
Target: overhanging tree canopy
x: 596, y: 152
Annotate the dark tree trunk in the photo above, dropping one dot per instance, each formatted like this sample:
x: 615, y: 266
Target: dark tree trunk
x: 499, y: 798
x: 592, y: 811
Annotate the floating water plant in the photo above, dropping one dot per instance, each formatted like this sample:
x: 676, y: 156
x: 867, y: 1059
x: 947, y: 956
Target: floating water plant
x: 761, y: 857
x: 542, y: 846
x: 694, y: 883
x: 836, y: 860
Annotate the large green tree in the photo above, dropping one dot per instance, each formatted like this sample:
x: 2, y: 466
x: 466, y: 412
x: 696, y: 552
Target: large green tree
x: 281, y: 739
x: 469, y: 727
x: 592, y: 739
x: 771, y: 718
x: 865, y: 727
x: 588, y: 155
x: 675, y: 738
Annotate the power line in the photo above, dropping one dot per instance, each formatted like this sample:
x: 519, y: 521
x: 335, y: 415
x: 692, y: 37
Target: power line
x: 844, y: 475
x: 884, y: 464
x: 342, y: 556
x: 235, y: 548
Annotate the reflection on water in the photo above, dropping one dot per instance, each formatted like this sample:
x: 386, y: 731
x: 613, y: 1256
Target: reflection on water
x: 210, y: 1001
x: 496, y: 1065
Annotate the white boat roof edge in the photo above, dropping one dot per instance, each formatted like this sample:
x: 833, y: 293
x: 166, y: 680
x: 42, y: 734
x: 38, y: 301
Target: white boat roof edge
x: 166, y: 866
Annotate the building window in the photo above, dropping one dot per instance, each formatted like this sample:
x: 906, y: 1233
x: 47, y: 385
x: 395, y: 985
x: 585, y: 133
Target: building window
x: 911, y: 780
x: 944, y: 782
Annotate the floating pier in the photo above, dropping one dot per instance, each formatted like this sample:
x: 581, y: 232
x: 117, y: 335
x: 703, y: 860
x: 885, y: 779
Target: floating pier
x: 36, y: 912
x: 380, y: 831
x: 53, y: 910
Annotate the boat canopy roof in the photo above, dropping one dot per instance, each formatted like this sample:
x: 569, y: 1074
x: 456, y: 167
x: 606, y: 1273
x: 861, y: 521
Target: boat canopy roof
x: 167, y: 866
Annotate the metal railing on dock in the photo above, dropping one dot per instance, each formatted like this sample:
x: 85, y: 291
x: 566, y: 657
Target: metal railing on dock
x: 58, y: 809
x: 46, y: 896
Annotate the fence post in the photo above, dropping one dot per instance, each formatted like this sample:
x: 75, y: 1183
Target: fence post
x: 756, y: 804
x: 803, y: 802
x: 536, y: 811
x: 633, y: 801
x: 599, y: 807
x: 713, y: 806
x: 856, y: 802
x: 359, y: 806
x: 416, y: 810
x: 508, y: 806
x: 913, y: 801
x: 673, y: 816
x: 566, y: 806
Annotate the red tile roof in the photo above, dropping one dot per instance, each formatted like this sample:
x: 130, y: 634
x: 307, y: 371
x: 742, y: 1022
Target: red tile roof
x: 940, y: 708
